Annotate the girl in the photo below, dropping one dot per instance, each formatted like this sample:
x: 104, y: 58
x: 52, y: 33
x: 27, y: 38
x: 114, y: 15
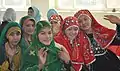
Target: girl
x: 10, y: 51
x: 34, y: 12
x: 44, y: 53
x: 100, y: 38
x: 55, y: 20
x: 76, y: 43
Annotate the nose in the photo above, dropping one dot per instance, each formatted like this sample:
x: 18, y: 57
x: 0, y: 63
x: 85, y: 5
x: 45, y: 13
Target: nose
x: 15, y: 37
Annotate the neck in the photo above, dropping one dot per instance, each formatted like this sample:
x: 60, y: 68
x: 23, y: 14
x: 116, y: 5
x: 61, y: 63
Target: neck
x: 27, y: 37
x: 89, y: 31
x: 11, y: 46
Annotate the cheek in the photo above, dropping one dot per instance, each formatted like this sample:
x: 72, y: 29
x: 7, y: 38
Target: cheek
x: 67, y: 33
x: 9, y: 38
x: 40, y: 37
x: 19, y: 37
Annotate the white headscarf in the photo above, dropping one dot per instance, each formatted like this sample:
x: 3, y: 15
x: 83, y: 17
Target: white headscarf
x: 9, y: 15
x: 37, y: 14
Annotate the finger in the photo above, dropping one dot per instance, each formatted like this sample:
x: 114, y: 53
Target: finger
x: 106, y: 18
x: 45, y: 54
x: 41, y: 49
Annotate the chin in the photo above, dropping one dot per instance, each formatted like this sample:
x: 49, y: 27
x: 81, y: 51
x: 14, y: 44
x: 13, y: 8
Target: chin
x: 30, y: 33
x: 46, y: 43
x: 15, y: 44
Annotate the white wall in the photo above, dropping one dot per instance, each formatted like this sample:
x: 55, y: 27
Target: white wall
x: 44, y: 5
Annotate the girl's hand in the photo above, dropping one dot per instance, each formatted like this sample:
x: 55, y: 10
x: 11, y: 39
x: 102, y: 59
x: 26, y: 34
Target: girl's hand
x: 64, y: 55
x: 113, y: 19
x: 42, y: 54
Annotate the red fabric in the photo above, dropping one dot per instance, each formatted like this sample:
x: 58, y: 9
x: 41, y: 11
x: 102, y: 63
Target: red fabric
x: 56, y: 17
x: 102, y: 35
x: 69, y: 21
x: 115, y: 49
x: 81, y: 52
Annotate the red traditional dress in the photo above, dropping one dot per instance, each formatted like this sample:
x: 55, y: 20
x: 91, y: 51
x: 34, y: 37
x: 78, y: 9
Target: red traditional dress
x: 101, y: 37
x: 80, y: 51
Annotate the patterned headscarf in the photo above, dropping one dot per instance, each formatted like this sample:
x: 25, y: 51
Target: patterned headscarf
x: 50, y: 13
x: 70, y: 21
x: 81, y: 53
x: 102, y: 35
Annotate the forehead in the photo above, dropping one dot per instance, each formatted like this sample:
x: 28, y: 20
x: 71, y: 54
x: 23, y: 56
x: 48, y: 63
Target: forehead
x: 73, y: 26
x: 84, y: 17
x: 46, y: 29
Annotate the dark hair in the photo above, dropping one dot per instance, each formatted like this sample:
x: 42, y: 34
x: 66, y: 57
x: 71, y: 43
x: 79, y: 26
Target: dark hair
x: 30, y: 8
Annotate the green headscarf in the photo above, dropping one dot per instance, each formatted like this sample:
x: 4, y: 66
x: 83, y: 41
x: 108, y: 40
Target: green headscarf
x: 41, y: 25
x: 3, y: 38
x: 26, y: 18
x: 23, y: 20
x: 53, y: 62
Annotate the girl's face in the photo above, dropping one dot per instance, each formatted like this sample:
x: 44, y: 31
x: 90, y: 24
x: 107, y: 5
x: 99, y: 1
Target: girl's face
x: 14, y: 38
x: 30, y: 12
x: 55, y: 26
x: 85, y: 22
x: 71, y: 32
x: 29, y: 27
x: 45, y: 36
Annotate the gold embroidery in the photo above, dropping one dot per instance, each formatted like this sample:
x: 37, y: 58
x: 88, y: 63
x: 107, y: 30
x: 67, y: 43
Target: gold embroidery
x: 4, y: 66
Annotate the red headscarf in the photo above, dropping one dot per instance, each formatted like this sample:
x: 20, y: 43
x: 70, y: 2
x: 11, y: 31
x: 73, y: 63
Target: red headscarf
x: 81, y: 53
x: 56, y: 17
x: 102, y: 35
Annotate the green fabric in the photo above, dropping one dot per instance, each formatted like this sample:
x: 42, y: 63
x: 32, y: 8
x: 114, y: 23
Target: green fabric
x: 53, y: 62
x: 23, y: 43
x: 3, y: 34
x: 25, y: 18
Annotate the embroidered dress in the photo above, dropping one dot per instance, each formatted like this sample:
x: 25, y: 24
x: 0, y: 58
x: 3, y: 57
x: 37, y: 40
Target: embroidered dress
x: 100, y: 38
x: 80, y: 52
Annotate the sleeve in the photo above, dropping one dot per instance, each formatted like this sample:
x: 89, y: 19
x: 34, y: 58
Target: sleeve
x: 2, y: 55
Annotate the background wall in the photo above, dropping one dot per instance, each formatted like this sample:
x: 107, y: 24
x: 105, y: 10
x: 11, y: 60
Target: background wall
x: 44, y: 5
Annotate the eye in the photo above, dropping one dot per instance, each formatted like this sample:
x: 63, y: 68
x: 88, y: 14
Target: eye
x: 12, y: 34
x: 28, y: 25
x: 18, y: 33
x: 33, y: 25
x: 42, y: 33
x: 69, y: 29
x: 50, y: 32
x: 76, y: 28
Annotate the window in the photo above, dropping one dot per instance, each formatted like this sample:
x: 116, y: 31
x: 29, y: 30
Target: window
x: 87, y: 4
x: 18, y: 5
